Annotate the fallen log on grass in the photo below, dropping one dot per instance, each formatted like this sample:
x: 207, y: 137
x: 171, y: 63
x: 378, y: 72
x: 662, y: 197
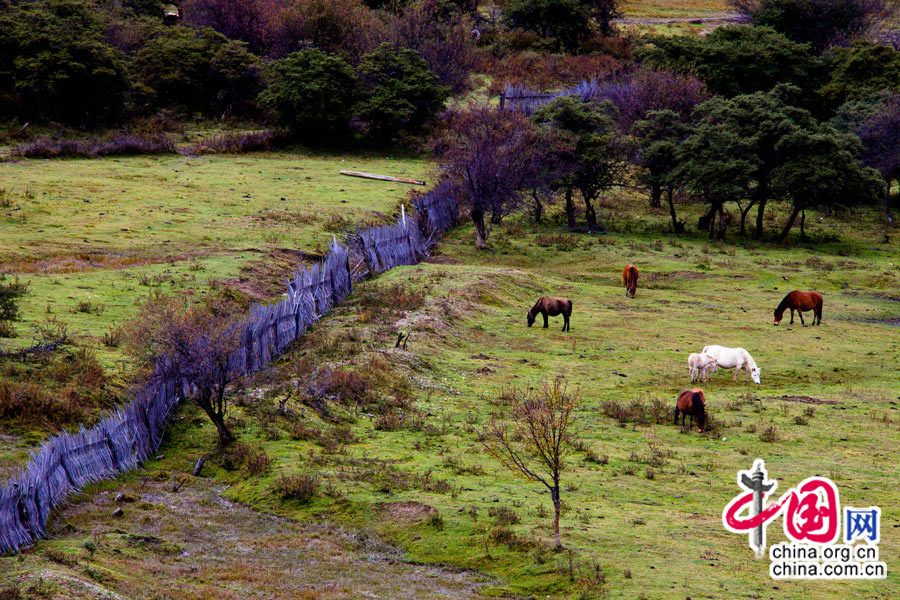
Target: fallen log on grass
x: 365, y: 175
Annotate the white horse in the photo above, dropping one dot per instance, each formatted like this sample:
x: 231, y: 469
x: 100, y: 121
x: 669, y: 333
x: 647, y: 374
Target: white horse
x: 734, y: 358
x: 700, y: 366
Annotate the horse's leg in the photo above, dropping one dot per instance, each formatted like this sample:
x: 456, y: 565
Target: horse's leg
x: 676, y: 414
x: 802, y: 322
x: 546, y: 321
x: 792, y: 315
x: 692, y: 420
x: 737, y: 369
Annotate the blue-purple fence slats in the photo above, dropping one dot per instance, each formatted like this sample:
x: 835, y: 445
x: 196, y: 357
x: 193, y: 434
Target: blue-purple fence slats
x: 67, y: 462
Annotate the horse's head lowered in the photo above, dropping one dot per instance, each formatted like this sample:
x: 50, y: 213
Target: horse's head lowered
x: 530, y: 318
x: 699, y: 408
x: 778, y: 315
x: 754, y: 374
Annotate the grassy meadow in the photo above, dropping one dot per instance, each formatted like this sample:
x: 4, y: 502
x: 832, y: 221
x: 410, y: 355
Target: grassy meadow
x: 391, y: 449
x: 93, y: 236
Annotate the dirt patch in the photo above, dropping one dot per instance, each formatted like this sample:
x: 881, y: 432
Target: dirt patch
x: 197, y: 544
x: 91, y: 260
x: 264, y: 277
x: 672, y: 275
x: 406, y: 512
x: 803, y: 399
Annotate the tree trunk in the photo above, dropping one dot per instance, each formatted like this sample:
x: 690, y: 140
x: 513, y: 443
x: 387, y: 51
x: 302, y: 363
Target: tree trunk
x: 677, y: 226
x: 888, y: 215
x: 803, y: 225
x: 481, y: 233
x: 758, y: 232
x: 218, y: 419
x: 554, y: 494
x: 570, y: 209
x: 590, y: 215
x: 720, y: 233
x: 655, y: 195
x: 538, y: 208
x: 783, y: 236
x: 744, y: 213
x: 761, y: 196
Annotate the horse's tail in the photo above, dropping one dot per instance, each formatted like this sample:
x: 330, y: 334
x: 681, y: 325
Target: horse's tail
x: 570, y: 307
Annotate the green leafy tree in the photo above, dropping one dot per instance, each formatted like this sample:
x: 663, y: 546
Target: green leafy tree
x: 11, y: 290
x: 820, y: 23
x: 400, y: 93
x: 565, y: 21
x: 759, y: 123
x: 193, y: 70
x: 312, y: 93
x: 822, y: 170
x: 599, y: 158
x: 55, y: 65
x: 713, y: 165
x: 739, y: 59
x: 659, y: 138
x: 860, y: 71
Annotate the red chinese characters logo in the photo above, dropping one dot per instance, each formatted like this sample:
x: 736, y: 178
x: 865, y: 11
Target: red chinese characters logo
x: 811, y: 510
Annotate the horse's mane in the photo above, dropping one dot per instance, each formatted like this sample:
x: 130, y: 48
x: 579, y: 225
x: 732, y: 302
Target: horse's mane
x: 750, y: 361
x: 783, y: 305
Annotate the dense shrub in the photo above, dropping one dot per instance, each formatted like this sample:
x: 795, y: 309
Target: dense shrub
x: 441, y: 37
x: 195, y: 71
x: 821, y: 23
x: 311, y: 92
x: 122, y: 144
x: 237, y: 143
x: 738, y: 59
x: 55, y: 65
x: 301, y: 488
x: 65, y: 388
x: 345, y: 27
x: 401, y: 93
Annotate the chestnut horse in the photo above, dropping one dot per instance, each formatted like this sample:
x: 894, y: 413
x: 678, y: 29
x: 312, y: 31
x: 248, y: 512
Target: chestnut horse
x: 629, y: 278
x: 801, y: 301
x: 691, y: 402
x: 551, y: 306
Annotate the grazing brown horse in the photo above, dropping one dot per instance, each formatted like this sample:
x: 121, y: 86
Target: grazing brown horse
x: 691, y: 402
x: 551, y: 306
x: 629, y: 278
x: 801, y: 301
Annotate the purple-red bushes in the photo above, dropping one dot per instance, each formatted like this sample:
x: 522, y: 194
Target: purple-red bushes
x: 122, y: 144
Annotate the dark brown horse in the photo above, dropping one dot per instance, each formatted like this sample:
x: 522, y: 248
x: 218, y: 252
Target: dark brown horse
x: 551, y: 306
x: 629, y: 278
x: 691, y: 402
x: 801, y: 301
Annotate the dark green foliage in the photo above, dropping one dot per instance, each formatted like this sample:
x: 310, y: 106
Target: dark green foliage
x: 860, y: 71
x: 311, y: 92
x: 565, y: 21
x: 822, y: 170
x: 820, y: 23
x: 754, y: 126
x: 401, y: 93
x: 55, y: 65
x: 598, y: 156
x: 659, y: 138
x: 739, y: 60
x: 10, y: 292
x: 195, y: 71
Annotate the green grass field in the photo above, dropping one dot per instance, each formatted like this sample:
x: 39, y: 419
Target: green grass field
x: 93, y: 236
x: 642, y: 502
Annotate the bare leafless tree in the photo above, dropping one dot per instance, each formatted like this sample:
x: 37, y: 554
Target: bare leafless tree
x: 193, y: 345
x: 537, y: 437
